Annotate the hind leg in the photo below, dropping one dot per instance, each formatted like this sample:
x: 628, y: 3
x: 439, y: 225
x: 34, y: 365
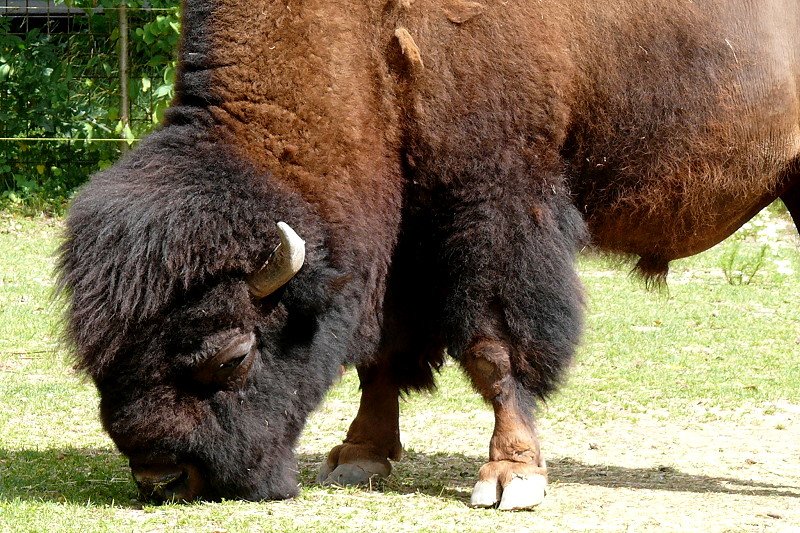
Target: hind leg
x: 516, y: 475
x: 791, y: 199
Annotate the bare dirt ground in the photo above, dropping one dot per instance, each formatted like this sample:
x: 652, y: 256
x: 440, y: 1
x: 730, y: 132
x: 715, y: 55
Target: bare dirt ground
x: 703, y: 470
x: 738, y: 473
x: 706, y: 471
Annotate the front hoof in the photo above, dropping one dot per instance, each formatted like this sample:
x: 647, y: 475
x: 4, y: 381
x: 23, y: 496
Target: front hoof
x: 351, y: 474
x: 514, y: 486
x: 485, y: 494
x: 349, y: 464
x: 523, y: 493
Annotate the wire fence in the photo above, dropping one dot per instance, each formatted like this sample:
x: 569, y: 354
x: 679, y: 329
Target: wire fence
x: 79, y: 83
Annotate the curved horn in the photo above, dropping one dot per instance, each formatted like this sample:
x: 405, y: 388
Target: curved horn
x: 282, y: 265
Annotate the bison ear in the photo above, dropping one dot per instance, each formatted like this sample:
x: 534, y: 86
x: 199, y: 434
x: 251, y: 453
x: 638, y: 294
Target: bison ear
x: 282, y: 265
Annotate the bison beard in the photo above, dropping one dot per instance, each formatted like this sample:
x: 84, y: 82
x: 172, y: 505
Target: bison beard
x: 442, y: 162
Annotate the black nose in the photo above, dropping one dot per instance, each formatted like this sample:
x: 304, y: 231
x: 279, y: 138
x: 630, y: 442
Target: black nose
x: 163, y: 483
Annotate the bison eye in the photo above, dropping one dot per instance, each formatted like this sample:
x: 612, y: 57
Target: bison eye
x: 233, y: 363
x: 230, y: 365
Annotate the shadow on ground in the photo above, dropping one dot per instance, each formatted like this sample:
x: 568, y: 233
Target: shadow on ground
x: 68, y: 475
x: 453, y: 476
x: 100, y: 477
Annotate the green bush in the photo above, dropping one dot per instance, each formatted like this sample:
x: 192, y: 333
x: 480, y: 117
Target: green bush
x: 56, y: 85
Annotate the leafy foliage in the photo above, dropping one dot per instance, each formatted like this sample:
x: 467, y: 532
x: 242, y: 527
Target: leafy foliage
x: 61, y: 80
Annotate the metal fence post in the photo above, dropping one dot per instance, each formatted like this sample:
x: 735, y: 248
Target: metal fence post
x: 125, y: 109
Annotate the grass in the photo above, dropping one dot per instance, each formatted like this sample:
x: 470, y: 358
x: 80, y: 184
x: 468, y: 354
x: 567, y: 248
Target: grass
x: 683, y: 399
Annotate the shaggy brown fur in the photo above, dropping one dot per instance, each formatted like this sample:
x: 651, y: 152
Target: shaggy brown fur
x: 443, y: 159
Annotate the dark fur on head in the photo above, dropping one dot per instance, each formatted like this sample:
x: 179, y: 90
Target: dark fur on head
x: 153, y: 268
x: 134, y: 244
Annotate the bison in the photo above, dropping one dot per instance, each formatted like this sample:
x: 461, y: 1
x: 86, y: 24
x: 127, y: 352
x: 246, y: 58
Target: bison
x: 378, y: 183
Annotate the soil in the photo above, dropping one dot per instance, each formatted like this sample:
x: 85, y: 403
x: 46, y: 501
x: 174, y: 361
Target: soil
x: 706, y: 470
x: 739, y: 472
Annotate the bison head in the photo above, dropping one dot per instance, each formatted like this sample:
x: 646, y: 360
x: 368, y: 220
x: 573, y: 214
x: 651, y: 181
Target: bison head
x: 207, y: 410
x: 188, y: 307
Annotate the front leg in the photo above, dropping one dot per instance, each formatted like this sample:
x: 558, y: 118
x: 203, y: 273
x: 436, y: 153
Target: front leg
x: 373, y: 437
x: 516, y: 474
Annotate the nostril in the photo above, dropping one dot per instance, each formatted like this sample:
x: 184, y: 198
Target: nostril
x: 160, y: 479
x: 164, y: 483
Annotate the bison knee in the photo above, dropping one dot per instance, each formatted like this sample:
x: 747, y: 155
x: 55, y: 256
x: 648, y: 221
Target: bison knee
x: 488, y: 365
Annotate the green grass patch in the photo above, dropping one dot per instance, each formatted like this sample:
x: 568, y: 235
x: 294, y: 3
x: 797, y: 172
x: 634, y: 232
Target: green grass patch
x: 705, y: 351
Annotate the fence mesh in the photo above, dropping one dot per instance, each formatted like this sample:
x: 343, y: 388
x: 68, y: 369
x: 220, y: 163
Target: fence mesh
x: 62, y: 111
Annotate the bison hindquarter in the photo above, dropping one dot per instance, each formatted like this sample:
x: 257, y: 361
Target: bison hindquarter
x: 374, y: 183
